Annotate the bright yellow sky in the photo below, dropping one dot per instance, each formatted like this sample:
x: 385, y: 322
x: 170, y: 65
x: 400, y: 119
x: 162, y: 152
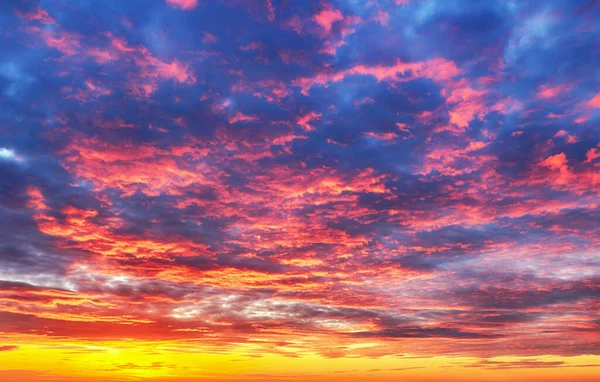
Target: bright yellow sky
x: 56, y: 361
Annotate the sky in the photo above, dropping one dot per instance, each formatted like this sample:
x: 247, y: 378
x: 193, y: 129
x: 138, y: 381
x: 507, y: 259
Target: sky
x: 280, y: 190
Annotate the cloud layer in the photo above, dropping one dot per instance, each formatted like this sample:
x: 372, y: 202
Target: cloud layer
x: 309, y: 177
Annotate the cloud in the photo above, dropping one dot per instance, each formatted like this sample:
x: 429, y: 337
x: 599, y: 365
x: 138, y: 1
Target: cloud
x: 594, y: 102
x: 241, y: 117
x: 38, y: 14
x: 185, y: 5
x: 7, y: 154
x: 416, y: 332
x: 437, y: 69
x: 327, y: 17
x: 344, y: 179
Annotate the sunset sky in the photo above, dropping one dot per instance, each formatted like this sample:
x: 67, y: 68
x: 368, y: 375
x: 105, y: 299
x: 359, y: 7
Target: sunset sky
x: 287, y: 190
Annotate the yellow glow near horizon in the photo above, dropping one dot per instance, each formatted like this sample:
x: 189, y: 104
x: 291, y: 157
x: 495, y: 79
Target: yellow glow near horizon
x: 52, y: 360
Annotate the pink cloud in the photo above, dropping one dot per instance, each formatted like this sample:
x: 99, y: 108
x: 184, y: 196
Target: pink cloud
x: 568, y: 137
x: 150, y: 68
x: 438, y: 69
x: 120, y: 44
x: 559, y: 163
x: 93, y: 90
x: 592, y: 154
x: 270, y: 10
x: 548, y: 92
x: 555, y: 162
x: 305, y: 120
x: 65, y: 42
x: 466, y: 103
x: 295, y: 23
x: 175, y: 70
x: 117, y: 123
x: 38, y: 14
x: 594, y: 102
x: 101, y: 56
x: 254, y: 45
x: 363, y: 101
x: 185, y: 5
x: 327, y: 17
x: 241, y: 117
x: 142, y: 90
x: 271, y: 90
x: 402, y: 127
x: 381, y: 17
x: 209, y: 37
x: 452, y: 161
x: 507, y: 105
x: 334, y: 27
x: 390, y: 136
x: 331, y: 47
